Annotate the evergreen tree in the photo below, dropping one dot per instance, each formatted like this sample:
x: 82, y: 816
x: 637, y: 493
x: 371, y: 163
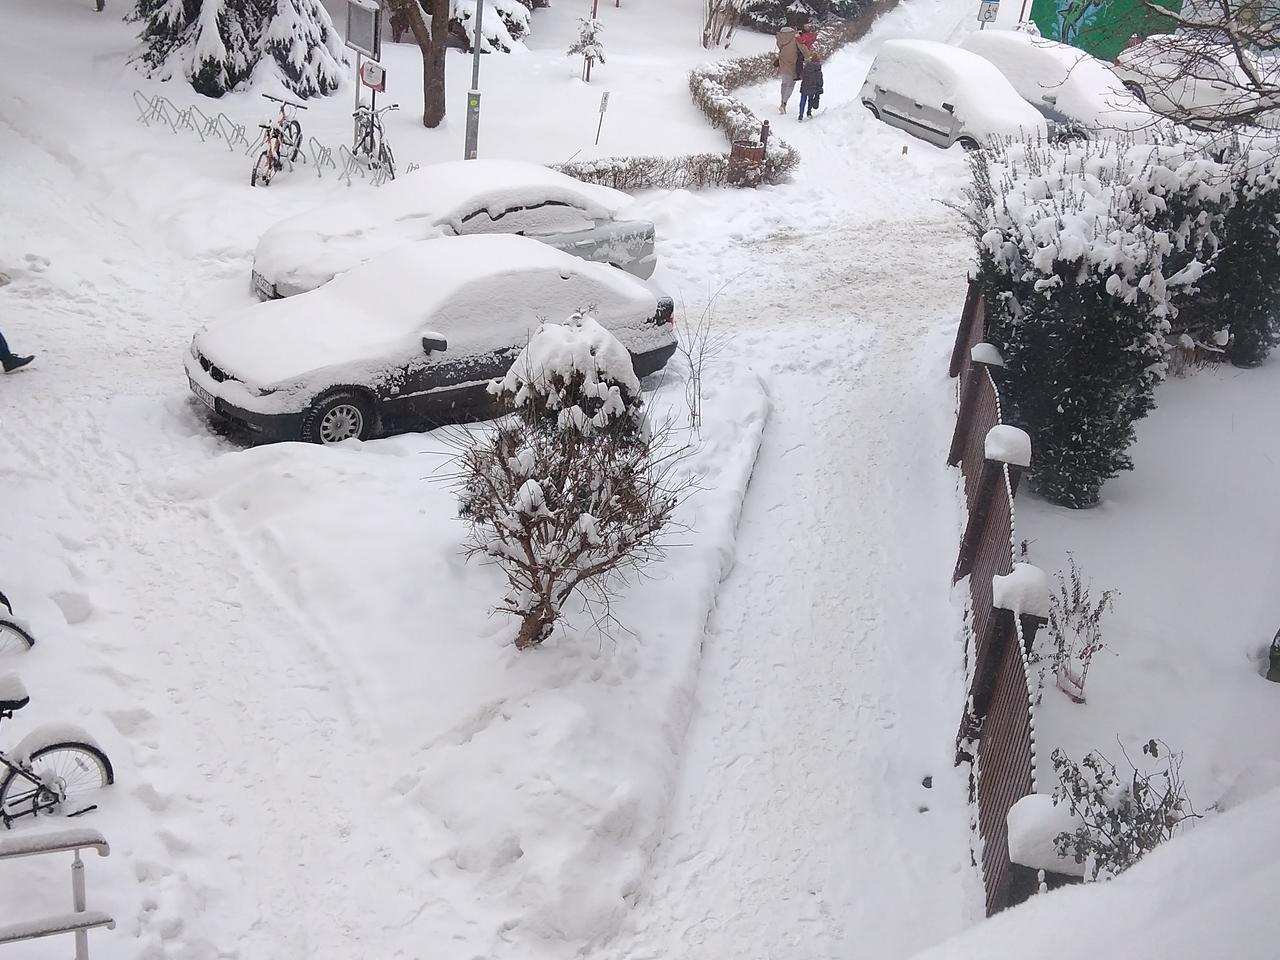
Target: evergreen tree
x: 1247, y: 271
x: 775, y: 14
x: 305, y: 47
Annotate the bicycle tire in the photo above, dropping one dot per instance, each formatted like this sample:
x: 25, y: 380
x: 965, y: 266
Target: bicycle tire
x: 262, y: 170
x: 14, y: 639
x: 81, y: 769
x: 292, y: 139
x: 385, y: 157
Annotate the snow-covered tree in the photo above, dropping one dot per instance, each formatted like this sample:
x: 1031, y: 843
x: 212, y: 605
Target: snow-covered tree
x: 506, y: 23
x: 304, y: 46
x: 216, y: 45
x: 570, y: 491
x: 589, y: 44
x: 776, y: 14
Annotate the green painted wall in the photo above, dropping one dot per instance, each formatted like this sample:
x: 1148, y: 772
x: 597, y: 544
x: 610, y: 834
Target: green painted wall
x: 1099, y: 27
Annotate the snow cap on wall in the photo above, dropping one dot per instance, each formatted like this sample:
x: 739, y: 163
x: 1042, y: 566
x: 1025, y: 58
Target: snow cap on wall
x: 1024, y: 591
x: 1033, y: 823
x: 1008, y: 445
x: 986, y: 353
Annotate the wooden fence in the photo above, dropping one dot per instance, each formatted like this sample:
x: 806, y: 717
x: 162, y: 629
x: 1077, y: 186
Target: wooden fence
x: 997, y: 734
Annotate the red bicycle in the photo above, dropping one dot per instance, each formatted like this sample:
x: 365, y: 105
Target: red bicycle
x: 282, y: 140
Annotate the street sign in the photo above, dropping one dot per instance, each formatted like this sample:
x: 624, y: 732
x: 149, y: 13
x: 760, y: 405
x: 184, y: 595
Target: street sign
x: 987, y: 11
x: 373, y: 76
x: 364, y: 28
x: 604, y: 101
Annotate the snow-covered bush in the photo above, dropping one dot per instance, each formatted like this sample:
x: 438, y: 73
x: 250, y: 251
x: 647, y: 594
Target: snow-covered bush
x: 1084, y: 258
x: 776, y: 14
x: 571, y: 490
x: 506, y: 23
x: 217, y: 45
x: 1120, y: 821
x: 1073, y: 635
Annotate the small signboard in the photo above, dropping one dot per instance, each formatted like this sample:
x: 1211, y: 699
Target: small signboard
x: 987, y: 11
x: 604, y: 101
x: 364, y: 28
x: 373, y: 76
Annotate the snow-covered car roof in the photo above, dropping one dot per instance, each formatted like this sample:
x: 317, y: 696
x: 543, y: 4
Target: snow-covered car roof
x: 984, y: 100
x: 481, y: 293
x: 306, y: 250
x: 1082, y: 87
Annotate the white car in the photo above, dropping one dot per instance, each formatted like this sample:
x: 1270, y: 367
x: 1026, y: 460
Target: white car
x: 1067, y: 85
x: 1190, y: 81
x: 411, y: 338
x: 946, y: 95
x: 459, y: 198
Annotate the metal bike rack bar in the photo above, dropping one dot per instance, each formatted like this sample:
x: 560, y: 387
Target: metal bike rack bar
x: 81, y: 920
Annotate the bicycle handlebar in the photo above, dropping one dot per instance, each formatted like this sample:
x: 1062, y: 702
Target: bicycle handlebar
x: 289, y: 102
x: 364, y: 109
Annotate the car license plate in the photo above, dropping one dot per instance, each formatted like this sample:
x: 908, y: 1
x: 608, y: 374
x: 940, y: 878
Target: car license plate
x: 205, y: 396
x: 262, y: 287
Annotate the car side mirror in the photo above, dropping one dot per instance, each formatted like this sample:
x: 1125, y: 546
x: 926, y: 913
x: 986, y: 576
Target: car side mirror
x: 949, y: 107
x: 1050, y: 98
x: 434, y: 344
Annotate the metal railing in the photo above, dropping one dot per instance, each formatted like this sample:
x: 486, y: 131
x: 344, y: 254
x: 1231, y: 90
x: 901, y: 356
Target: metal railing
x: 80, y: 920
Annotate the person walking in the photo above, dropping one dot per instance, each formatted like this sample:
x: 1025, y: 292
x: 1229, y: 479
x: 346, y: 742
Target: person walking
x: 10, y: 360
x: 811, y: 85
x: 807, y: 37
x: 790, y: 61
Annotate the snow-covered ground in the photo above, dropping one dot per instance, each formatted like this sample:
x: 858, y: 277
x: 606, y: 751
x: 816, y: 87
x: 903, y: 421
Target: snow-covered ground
x: 324, y: 747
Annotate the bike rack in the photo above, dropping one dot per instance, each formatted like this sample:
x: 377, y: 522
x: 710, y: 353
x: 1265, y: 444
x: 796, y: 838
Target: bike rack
x: 81, y: 920
x: 201, y: 128
x: 145, y: 106
x: 351, y: 163
x: 412, y: 167
x: 258, y: 141
x: 321, y: 156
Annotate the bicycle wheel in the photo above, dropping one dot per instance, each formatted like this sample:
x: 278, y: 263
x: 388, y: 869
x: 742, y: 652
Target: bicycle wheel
x: 70, y: 773
x: 14, y: 639
x: 292, y: 139
x: 262, y: 170
x: 384, y: 155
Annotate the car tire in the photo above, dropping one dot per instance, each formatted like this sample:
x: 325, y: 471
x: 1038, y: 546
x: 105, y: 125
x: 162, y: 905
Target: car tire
x: 967, y: 144
x: 336, y: 417
x: 872, y: 107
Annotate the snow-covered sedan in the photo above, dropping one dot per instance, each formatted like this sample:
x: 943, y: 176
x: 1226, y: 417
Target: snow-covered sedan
x: 411, y: 338
x: 945, y: 95
x: 1187, y: 79
x: 456, y: 199
x: 1065, y: 84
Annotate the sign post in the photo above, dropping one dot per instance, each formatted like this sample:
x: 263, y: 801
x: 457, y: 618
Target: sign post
x: 604, y: 105
x: 987, y: 11
x: 364, y: 36
x: 473, y: 95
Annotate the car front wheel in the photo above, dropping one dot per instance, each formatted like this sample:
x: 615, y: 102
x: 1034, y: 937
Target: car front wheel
x: 1136, y: 89
x: 872, y: 107
x: 338, y: 417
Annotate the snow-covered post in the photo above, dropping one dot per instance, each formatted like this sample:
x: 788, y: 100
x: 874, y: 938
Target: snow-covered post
x: 1005, y: 446
x: 1023, y: 593
x: 982, y: 356
x: 974, y: 311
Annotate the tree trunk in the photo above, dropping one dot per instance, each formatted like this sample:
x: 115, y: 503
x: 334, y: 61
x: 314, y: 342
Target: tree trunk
x: 433, y: 42
x: 535, y: 626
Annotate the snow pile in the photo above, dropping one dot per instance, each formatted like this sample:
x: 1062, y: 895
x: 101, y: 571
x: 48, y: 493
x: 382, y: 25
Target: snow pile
x: 1007, y: 445
x: 1034, y: 821
x: 506, y: 23
x: 1208, y: 893
x: 1024, y: 590
x: 986, y: 353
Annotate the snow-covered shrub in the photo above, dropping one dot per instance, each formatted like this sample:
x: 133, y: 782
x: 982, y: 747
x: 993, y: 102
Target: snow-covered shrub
x: 217, y: 45
x: 693, y: 172
x: 710, y: 86
x: 775, y: 14
x: 1120, y: 821
x: 1084, y: 260
x: 1073, y: 633
x: 589, y: 44
x: 569, y: 491
x: 506, y: 23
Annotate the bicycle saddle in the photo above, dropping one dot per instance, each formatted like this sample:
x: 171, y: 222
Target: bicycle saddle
x: 13, y: 695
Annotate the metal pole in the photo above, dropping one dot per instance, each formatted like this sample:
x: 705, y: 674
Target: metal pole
x: 77, y: 901
x: 355, y: 121
x: 473, y: 95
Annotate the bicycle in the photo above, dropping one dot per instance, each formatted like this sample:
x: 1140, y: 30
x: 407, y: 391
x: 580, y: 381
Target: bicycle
x: 54, y: 769
x: 14, y: 637
x: 371, y: 139
x: 282, y: 141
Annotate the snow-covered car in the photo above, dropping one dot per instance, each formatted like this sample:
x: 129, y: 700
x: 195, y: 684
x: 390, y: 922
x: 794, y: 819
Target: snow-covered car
x: 456, y: 199
x: 1190, y: 80
x: 1067, y: 85
x: 411, y: 338
x: 945, y: 95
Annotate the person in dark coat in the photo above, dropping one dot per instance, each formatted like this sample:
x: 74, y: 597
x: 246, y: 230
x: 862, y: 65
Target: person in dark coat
x: 10, y: 360
x: 810, y: 85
